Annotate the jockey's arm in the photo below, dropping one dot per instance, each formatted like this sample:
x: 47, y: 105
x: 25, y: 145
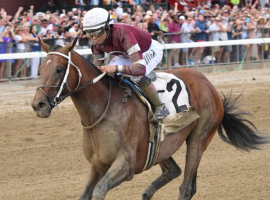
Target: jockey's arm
x: 98, y: 57
x: 137, y: 68
x: 97, y: 62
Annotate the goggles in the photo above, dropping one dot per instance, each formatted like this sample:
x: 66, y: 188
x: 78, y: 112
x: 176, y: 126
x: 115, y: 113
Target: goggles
x: 96, y: 33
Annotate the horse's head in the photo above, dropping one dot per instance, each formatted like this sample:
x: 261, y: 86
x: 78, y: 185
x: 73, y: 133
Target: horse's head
x: 52, y: 73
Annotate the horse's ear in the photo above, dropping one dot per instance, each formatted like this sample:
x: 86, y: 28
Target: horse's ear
x: 45, y: 46
x: 69, y: 46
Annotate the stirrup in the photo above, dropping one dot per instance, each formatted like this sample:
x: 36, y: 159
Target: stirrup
x: 161, y: 112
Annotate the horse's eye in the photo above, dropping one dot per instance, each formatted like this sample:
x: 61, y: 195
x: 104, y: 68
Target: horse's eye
x: 59, y: 69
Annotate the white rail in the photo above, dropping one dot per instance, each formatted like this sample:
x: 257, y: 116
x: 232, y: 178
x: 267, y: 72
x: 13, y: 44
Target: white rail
x: 167, y: 46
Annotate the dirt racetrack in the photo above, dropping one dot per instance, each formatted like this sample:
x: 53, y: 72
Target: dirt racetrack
x: 42, y: 159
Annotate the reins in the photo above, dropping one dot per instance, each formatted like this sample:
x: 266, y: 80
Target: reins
x: 105, y: 111
x: 58, y: 99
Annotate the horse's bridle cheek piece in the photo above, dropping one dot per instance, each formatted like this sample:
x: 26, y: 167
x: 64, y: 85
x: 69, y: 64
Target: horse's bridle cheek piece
x: 58, y: 99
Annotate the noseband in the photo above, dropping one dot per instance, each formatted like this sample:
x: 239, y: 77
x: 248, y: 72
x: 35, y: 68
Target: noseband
x: 58, y: 99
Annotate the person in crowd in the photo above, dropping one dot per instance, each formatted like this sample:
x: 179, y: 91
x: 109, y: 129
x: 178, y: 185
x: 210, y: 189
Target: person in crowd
x: 200, y: 36
x: 60, y: 37
x: 146, y: 19
x: 237, y: 31
x: 119, y: 9
x: 244, y: 35
x: 174, y: 27
x: 49, y: 38
x: 154, y: 30
x: 71, y: 20
x: 55, y: 28
x: 145, y: 26
x: 35, y: 48
x: 63, y: 25
x: 156, y: 19
x: 223, y: 36
x: 2, y: 24
x: 7, y: 36
x: 139, y: 25
x: 63, y: 18
x: 214, y: 29
x: 260, y: 25
x: 182, y: 20
x: 164, y: 27
x: 73, y: 31
x: 44, y: 26
x: 186, y: 31
x: 20, y: 47
x: 83, y: 41
x: 25, y: 30
x: 251, y: 31
x: 35, y: 22
x: 265, y: 34
x: 75, y: 11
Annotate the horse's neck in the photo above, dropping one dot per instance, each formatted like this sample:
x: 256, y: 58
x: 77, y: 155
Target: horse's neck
x: 91, y: 101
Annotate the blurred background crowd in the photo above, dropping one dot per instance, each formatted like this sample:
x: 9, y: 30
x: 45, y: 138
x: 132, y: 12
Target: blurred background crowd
x: 206, y: 21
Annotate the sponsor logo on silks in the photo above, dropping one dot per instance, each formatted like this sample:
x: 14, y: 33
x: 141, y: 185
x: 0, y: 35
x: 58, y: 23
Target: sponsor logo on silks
x: 149, y: 56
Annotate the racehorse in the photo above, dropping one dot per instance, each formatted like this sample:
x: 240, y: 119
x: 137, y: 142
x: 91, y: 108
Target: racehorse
x: 116, y: 140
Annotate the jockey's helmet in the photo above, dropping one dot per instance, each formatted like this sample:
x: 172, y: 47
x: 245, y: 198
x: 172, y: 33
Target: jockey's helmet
x: 95, y: 19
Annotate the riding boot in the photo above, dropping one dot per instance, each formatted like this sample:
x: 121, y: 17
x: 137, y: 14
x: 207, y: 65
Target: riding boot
x: 161, y: 111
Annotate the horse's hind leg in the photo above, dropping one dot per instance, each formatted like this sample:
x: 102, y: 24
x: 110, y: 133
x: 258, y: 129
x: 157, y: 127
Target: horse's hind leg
x: 197, y: 142
x: 170, y: 171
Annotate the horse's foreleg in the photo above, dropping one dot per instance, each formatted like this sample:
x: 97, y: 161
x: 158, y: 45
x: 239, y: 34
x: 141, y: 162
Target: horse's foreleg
x: 170, y: 171
x: 93, y: 178
x: 118, y: 173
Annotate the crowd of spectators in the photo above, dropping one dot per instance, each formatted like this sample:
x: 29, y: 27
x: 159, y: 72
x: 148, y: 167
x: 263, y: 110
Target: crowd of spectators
x: 206, y: 22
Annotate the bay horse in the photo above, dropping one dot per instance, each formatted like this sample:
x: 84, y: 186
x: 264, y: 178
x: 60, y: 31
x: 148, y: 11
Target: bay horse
x: 117, y: 146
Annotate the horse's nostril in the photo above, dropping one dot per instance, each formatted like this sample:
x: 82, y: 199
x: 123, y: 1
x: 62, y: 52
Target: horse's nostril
x: 41, y: 105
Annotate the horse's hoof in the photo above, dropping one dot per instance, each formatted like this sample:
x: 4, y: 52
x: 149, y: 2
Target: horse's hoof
x: 99, y: 192
x: 148, y: 192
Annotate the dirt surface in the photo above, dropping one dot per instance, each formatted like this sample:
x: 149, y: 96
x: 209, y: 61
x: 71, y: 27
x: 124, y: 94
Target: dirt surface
x: 43, y: 159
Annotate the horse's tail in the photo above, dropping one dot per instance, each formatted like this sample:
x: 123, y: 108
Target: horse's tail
x: 241, y: 133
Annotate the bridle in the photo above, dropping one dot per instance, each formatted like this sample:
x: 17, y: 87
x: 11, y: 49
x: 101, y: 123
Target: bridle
x: 58, y: 99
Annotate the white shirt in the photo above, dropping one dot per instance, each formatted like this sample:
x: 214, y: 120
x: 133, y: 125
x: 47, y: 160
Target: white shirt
x: 20, y: 46
x: 223, y: 35
x: 213, y: 28
x: 119, y: 11
x: 72, y: 30
x: 43, y: 30
x: 186, y: 28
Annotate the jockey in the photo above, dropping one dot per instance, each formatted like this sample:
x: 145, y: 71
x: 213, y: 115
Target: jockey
x: 136, y: 54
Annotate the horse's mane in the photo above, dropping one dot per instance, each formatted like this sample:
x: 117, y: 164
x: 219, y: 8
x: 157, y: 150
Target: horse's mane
x: 56, y: 47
